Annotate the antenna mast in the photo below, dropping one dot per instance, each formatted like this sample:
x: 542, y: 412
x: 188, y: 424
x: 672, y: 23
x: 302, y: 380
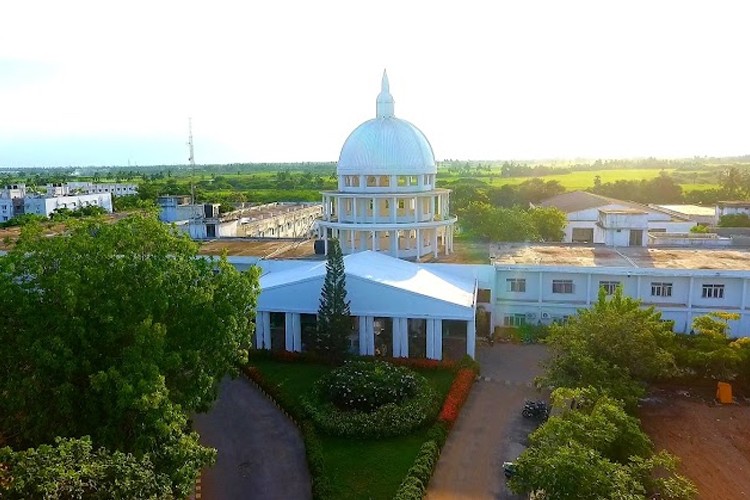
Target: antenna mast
x: 192, y: 161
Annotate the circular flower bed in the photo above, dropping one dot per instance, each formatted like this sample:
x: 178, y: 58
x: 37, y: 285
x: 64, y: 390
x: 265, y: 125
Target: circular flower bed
x: 371, y: 398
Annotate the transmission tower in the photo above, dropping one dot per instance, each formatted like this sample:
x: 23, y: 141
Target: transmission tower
x: 191, y: 159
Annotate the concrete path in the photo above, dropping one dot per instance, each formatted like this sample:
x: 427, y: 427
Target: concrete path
x: 490, y: 429
x: 261, y: 453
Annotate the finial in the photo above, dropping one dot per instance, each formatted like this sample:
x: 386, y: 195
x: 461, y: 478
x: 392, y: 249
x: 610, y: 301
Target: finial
x: 384, y: 103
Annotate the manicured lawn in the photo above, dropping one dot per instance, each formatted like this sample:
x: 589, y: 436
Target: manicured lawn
x: 357, y: 469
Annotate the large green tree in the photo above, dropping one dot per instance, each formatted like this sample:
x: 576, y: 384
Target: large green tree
x: 614, y: 346
x: 334, y: 318
x: 117, y: 331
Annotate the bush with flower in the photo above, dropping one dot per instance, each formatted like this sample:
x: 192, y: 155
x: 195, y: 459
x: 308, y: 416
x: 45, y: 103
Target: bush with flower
x: 371, y: 399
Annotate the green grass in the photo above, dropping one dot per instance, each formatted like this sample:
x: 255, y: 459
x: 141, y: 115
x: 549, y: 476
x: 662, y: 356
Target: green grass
x: 372, y: 468
x: 581, y: 180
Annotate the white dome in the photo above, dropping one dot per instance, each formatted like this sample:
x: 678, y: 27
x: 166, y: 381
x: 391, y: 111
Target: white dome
x: 384, y: 146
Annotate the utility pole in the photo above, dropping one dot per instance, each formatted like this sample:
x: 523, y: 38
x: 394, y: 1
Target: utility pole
x: 192, y: 161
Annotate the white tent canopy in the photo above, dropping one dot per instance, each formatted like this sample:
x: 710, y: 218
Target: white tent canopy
x: 377, y: 285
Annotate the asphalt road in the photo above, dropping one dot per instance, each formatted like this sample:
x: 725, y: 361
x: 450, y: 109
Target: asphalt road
x: 261, y: 453
x: 490, y: 429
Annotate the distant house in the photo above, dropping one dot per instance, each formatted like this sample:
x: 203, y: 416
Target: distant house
x: 732, y: 208
x: 598, y: 219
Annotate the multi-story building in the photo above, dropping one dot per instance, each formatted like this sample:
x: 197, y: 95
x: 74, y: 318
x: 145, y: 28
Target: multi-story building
x: 45, y: 205
x: 386, y: 199
x: 269, y: 220
x: 113, y: 188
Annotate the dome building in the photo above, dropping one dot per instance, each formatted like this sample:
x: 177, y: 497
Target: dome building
x: 386, y: 199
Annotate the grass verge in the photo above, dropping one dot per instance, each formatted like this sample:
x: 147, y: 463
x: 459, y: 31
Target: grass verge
x: 371, y: 468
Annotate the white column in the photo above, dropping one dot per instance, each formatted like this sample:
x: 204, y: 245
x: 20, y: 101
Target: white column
x: 370, y: 335
x: 471, y: 337
x: 354, y: 209
x: 351, y: 241
x: 400, y: 338
x: 419, y: 244
x: 338, y: 208
x: 259, y: 335
x: 394, y: 209
x: 416, y: 208
x: 297, y: 331
x: 435, y: 242
x: 288, y: 332
x: 325, y: 241
x: 438, y: 339
x: 374, y: 241
x: 266, y: 329
x: 374, y: 209
x: 363, y: 342
x: 430, y: 338
x: 394, y: 243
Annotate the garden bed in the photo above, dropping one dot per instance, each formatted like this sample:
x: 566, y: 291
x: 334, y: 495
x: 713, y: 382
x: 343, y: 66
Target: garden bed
x: 355, y: 468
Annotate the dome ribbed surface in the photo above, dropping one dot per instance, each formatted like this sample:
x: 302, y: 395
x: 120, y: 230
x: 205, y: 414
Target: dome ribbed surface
x: 383, y: 146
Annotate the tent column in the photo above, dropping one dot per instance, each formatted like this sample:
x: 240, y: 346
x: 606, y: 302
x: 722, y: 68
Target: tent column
x: 400, y: 338
x: 263, y: 329
x: 366, y: 336
x: 471, y: 337
x: 435, y: 338
x: 292, y: 332
x: 259, y: 335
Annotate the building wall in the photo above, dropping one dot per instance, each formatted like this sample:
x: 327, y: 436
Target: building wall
x: 46, y: 205
x: 588, y: 219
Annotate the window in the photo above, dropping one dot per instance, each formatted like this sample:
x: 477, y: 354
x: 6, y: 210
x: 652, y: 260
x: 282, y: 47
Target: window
x: 516, y: 285
x: 609, y: 286
x: 401, y: 180
x: 401, y: 204
x: 514, y: 320
x: 385, y: 181
x: 661, y: 289
x: 413, y: 180
x: 371, y: 182
x: 713, y: 291
x: 484, y: 295
x: 562, y: 286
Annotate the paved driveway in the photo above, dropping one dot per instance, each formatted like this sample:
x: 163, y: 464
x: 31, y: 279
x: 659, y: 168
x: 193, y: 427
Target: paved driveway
x: 261, y: 453
x: 490, y: 429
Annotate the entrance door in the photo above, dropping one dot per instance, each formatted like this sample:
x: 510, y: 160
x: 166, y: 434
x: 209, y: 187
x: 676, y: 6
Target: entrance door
x: 636, y: 238
x: 582, y: 235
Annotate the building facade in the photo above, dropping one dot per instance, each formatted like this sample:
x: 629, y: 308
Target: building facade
x: 386, y: 199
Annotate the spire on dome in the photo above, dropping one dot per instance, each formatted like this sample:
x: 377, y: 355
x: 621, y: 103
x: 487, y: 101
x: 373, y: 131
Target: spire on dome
x: 384, y: 102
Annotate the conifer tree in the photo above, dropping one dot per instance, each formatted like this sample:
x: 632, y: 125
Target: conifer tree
x: 334, y: 322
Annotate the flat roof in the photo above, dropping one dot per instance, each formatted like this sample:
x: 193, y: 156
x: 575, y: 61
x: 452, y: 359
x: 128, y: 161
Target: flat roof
x: 268, y: 248
x: 630, y: 211
x: 690, y: 209
x: 631, y: 257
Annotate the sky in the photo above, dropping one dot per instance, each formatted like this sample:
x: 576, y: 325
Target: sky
x: 113, y: 83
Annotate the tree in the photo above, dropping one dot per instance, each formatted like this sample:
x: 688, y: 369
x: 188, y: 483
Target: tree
x: 550, y: 223
x: 591, y: 448
x: 710, y: 353
x: 136, y: 331
x: 334, y: 318
x: 615, y: 346
x: 72, y: 469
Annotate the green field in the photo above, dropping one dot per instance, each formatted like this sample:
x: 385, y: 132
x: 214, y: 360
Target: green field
x: 574, y: 181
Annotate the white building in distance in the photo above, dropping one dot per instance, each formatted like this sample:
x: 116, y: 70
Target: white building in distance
x: 16, y: 200
x: 597, y: 219
x: 386, y: 199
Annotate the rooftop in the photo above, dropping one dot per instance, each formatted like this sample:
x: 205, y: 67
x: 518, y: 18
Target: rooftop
x: 632, y: 257
x: 690, y: 209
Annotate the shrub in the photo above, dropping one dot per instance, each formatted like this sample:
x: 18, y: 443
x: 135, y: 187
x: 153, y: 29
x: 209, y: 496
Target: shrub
x: 388, y: 420
x: 457, y: 395
x: 365, y: 386
x: 415, y: 483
